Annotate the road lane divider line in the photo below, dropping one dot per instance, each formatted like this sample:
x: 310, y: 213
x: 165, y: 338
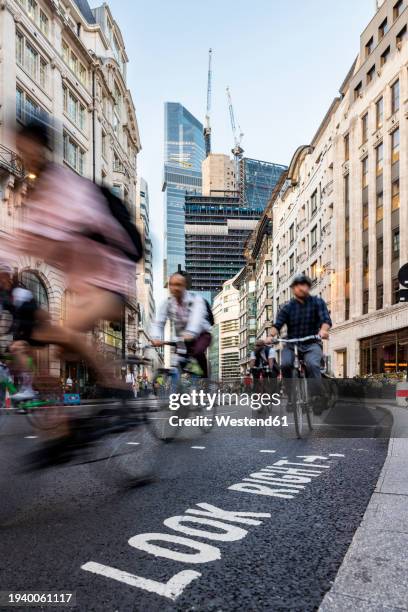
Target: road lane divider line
x: 267, y: 451
x: 198, y: 447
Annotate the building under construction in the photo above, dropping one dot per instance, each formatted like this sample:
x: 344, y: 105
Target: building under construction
x: 217, y: 226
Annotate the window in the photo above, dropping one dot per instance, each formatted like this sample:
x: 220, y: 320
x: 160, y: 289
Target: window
x: 44, y: 23
x: 395, y: 195
x: 364, y: 173
x: 313, y: 203
x: 379, y: 207
x: 395, y: 96
x: 369, y: 47
x: 380, y: 251
x: 32, y: 9
x: 379, y: 155
x: 366, y: 296
x: 291, y: 264
x: 313, y: 238
x: 74, y: 109
x: 19, y: 48
x: 395, y: 291
x: 379, y: 113
x: 365, y: 216
x: 365, y: 259
x: 292, y: 233
x: 395, y: 141
x: 397, y: 9
x: 74, y: 63
x: 73, y: 154
x: 401, y: 36
x: 364, y: 128
x: 382, y: 29
x: 29, y: 59
x: 385, y: 56
x: 346, y: 147
x: 380, y: 296
x: 395, y: 243
x: 358, y: 90
x: 371, y: 74
x: 313, y: 270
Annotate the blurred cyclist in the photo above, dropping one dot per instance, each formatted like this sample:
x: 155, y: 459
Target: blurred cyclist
x: 64, y: 214
x: 262, y: 362
x: 189, y: 314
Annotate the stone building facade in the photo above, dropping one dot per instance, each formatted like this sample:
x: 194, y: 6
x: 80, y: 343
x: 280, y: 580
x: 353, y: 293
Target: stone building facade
x: 226, y: 316
x: 341, y: 212
x: 62, y: 59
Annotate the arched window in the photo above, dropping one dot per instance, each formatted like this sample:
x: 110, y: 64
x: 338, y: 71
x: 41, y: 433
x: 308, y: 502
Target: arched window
x: 33, y: 283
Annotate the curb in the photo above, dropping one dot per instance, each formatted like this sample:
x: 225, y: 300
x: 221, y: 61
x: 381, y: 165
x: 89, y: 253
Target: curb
x: 373, y: 576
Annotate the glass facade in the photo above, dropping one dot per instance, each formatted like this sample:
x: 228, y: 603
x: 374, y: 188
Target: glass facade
x: 258, y: 179
x: 184, y: 152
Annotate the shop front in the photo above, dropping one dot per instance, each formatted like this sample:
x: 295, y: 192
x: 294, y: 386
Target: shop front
x: 385, y: 353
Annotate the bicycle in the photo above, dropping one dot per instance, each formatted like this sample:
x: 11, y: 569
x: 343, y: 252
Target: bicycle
x: 182, y: 378
x: 299, y: 392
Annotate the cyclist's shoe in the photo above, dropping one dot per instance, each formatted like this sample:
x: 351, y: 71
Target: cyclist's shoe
x: 24, y: 395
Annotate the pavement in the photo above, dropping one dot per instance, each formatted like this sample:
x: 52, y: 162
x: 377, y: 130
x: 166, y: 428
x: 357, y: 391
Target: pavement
x: 374, y: 574
x: 241, y: 518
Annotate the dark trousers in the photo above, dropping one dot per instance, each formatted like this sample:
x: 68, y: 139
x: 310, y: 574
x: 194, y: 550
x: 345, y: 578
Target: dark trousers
x: 196, y: 348
x: 312, y: 356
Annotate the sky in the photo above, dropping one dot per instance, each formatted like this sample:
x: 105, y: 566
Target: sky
x: 284, y: 62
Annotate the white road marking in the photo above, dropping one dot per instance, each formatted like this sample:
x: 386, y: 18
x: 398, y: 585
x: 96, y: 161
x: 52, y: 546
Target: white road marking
x: 336, y: 455
x: 198, y: 447
x: 267, y: 451
x: 30, y: 437
x: 134, y: 443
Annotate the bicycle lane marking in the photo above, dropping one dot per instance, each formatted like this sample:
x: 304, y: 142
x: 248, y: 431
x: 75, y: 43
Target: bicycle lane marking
x: 282, y: 479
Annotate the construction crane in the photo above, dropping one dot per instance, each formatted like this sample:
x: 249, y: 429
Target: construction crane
x: 207, y: 127
x: 237, y: 151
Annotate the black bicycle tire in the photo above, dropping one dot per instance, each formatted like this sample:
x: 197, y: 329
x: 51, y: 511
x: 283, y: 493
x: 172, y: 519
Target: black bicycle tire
x: 308, y: 408
x: 298, y: 421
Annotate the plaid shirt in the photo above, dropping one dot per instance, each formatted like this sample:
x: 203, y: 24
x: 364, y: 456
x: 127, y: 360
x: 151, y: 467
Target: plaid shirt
x: 303, y: 318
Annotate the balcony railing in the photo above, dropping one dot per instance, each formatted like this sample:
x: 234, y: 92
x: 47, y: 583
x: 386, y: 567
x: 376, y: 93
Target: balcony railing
x: 11, y: 162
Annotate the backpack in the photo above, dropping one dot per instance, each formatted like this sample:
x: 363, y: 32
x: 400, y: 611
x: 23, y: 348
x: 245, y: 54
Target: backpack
x: 119, y: 211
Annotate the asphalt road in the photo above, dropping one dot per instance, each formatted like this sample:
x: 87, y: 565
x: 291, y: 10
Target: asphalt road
x: 73, y: 531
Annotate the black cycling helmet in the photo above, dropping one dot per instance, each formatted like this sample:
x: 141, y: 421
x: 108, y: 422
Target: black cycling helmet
x: 301, y: 279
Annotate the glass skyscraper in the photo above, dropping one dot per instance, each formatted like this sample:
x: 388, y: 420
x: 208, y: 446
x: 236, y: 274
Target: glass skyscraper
x: 184, y: 152
x: 258, y: 179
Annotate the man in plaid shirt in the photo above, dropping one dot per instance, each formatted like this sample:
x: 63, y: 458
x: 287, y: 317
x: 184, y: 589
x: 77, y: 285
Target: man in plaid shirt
x: 304, y: 315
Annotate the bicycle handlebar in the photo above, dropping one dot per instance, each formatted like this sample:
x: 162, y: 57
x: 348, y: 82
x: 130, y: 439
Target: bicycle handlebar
x: 293, y: 340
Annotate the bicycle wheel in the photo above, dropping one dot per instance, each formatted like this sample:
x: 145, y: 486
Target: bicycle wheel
x: 43, y: 415
x: 206, y: 411
x: 159, y: 414
x: 306, y: 403
x: 119, y: 447
x: 297, y: 395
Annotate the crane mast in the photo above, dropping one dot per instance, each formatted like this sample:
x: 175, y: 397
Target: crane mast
x: 237, y: 151
x: 207, y: 127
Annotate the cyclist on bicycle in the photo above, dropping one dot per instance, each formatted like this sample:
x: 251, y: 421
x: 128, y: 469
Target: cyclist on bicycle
x: 188, y: 313
x: 304, y: 315
x: 262, y: 362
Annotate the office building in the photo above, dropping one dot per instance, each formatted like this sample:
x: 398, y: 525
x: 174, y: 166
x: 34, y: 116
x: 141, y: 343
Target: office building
x: 256, y: 182
x: 226, y: 316
x: 218, y: 174
x: 216, y: 228
x: 68, y: 62
x: 144, y: 283
x: 183, y: 155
